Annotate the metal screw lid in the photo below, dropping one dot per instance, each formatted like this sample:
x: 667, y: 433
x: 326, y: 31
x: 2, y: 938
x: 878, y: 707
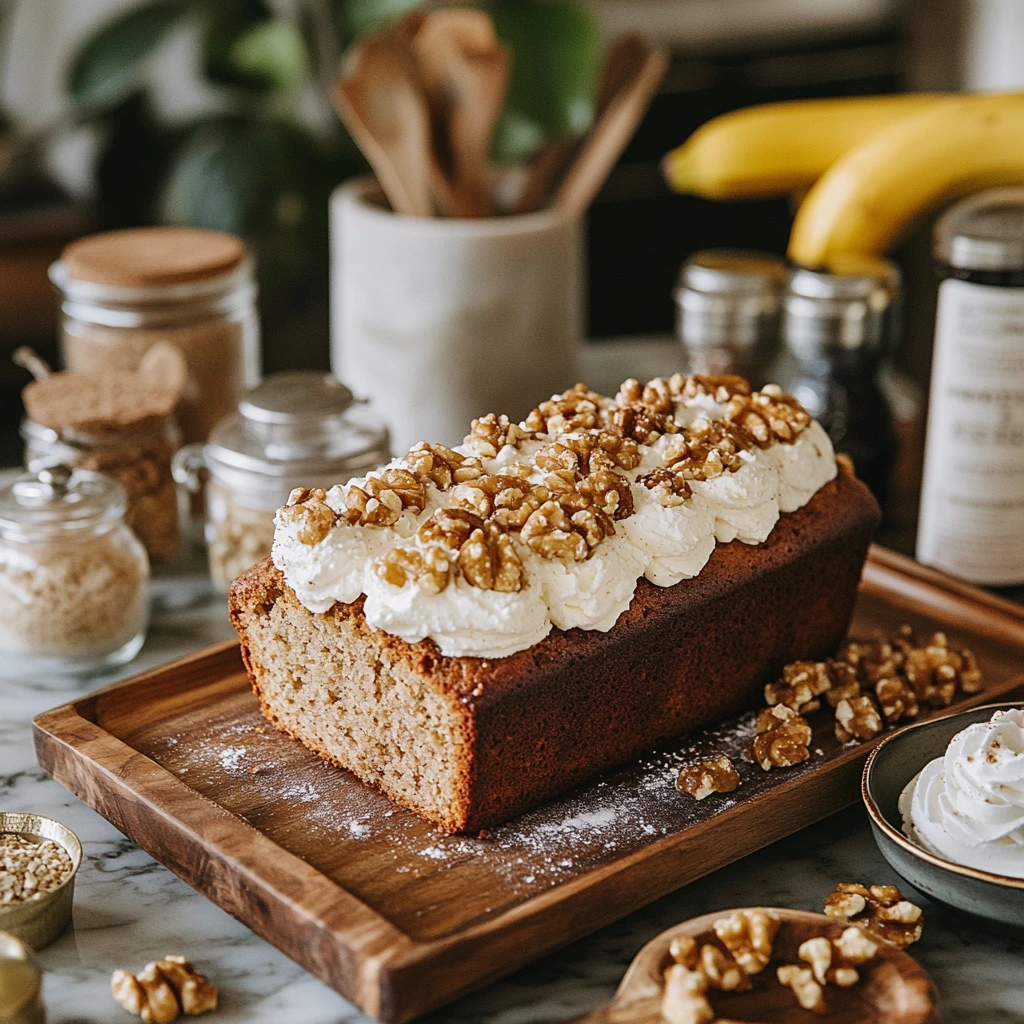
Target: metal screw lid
x: 844, y: 310
x: 294, y: 396
x: 984, y: 232
x: 729, y: 298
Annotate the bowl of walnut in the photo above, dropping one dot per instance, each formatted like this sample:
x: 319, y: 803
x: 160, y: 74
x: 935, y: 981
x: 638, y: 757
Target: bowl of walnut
x: 39, y: 858
x: 946, y: 804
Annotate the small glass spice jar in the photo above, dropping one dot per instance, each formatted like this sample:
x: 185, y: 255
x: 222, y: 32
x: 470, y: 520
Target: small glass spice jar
x: 74, y: 579
x: 295, y: 429
x: 124, y: 291
x: 119, y: 423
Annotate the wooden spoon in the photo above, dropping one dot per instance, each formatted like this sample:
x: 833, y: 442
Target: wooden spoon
x: 893, y: 987
x: 622, y: 63
x: 465, y: 73
x: 611, y: 133
x: 379, y: 99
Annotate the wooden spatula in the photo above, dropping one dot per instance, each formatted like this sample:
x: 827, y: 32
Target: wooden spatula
x: 379, y: 99
x: 622, y: 63
x: 612, y: 130
x: 893, y: 987
x: 465, y: 72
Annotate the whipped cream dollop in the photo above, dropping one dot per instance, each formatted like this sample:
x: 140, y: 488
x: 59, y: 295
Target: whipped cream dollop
x: 968, y: 805
x: 659, y: 533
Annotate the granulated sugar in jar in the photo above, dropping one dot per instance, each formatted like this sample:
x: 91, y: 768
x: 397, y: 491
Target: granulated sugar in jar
x: 124, y: 291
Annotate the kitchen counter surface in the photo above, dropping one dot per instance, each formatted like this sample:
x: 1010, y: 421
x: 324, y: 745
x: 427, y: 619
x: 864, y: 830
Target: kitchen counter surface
x: 129, y: 909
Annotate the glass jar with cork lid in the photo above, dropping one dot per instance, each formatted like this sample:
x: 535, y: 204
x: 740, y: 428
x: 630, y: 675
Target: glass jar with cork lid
x: 74, y: 579
x: 299, y: 428
x: 124, y: 291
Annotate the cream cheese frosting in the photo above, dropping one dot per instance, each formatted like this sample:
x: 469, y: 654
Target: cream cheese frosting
x: 662, y: 534
x: 968, y: 805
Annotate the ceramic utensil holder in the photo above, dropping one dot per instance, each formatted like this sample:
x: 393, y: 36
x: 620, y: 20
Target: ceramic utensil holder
x: 439, y: 320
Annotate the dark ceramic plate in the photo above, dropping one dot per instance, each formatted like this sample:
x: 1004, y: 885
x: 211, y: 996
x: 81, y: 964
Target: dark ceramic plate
x: 994, y: 902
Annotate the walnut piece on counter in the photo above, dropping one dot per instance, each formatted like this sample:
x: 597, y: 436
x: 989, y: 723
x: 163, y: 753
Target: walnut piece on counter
x: 717, y: 775
x: 880, y: 910
x: 857, y: 718
x: 783, y: 738
x: 163, y: 990
x: 748, y: 935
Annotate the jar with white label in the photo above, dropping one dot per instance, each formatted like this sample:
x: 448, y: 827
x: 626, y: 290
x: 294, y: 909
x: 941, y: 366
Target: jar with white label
x: 972, y: 498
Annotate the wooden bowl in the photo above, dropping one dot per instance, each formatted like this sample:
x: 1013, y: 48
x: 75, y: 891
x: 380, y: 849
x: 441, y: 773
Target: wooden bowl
x: 893, y: 987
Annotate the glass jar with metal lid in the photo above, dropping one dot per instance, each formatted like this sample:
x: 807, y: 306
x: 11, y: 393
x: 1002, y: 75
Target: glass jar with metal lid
x: 124, y: 291
x: 295, y: 429
x: 727, y: 311
x: 835, y: 329
x: 972, y: 498
x: 74, y: 579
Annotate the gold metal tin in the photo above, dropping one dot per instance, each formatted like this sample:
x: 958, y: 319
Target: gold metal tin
x: 38, y: 922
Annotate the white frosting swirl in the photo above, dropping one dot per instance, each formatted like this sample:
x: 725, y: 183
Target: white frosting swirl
x: 665, y: 543
x: 968, y: 805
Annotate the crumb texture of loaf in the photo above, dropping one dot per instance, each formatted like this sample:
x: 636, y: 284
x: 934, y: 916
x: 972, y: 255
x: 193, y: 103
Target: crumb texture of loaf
x: 469, y: 743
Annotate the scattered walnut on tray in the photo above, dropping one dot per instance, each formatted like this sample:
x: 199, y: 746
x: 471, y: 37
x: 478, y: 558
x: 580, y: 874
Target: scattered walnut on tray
x: 880, y: 910
x: 717, y: 775
x: 163, y: 990
x: 783, y: 738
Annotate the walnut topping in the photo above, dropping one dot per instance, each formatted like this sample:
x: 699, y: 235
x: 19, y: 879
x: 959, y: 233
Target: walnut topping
x: 579, y: 408
x: 718, y: 775
x: 553, y: 532
x: 608, y: 491
x: 783, y: 738
x: 429, y: 568
x: 490, y: 433
x: 857, y: 718
x: 310, y: 510
x: 880, y: 910
x: 748, y: 935
x: 488, y: 560
x: 809, y: 993
x: 163, y: 990
x: 768, y: 416
x: 721, y: 387
x: 441, y: 466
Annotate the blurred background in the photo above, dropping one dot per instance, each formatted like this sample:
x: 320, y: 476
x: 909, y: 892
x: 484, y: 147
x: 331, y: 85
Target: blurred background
x: 216, y: 113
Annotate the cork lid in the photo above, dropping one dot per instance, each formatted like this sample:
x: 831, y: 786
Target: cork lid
x: 151, y: 257
x: 94, y: 403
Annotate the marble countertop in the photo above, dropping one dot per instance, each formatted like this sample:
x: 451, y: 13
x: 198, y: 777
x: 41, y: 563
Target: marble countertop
x: 129, y: 909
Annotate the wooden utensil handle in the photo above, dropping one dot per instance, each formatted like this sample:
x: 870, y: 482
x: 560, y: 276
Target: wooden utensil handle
x: 639, y: 1011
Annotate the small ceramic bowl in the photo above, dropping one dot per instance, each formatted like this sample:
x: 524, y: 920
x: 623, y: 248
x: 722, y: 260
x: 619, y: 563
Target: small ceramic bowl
x: 994, y: 902
x: 38, y: 922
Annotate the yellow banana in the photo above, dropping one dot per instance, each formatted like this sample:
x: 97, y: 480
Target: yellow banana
x: 868, y: 197
x: 776, y: 148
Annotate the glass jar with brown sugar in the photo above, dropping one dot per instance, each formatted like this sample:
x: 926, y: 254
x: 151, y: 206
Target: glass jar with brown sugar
x: 124, y: 291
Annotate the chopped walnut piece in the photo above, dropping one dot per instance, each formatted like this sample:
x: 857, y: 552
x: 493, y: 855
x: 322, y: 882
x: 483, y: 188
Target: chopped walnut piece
x: 880, y: 910
x: 163, y: 990
x: 488, y: 560
x: 768, y: 416
x: 717, y: 775
x: 310, y: 510
x: 684, y: 1000
x: 490, y: 433
x: 748, y: 935
x: 579, y: 408
x: 809, y: 993
x: 801, y: 684
x: 641, y: 425
x: 933, y: 671
x: 428, y: 567
x: 783, y: 738
x: 441, y: 466
x: 845, y: 684
x: 609, y: 491
x: 818, y: 953
x: 896, y: 699
x: 857, y: 718
x: 855, y: 945
x: 684, y: 950
x: 721, y: 386
x: 721, y: 971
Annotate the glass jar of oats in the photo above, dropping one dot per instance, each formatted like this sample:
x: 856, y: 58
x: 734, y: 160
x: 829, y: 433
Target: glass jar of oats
x: 74, y: 579
x: 123, y: 291
x: 300, y: 428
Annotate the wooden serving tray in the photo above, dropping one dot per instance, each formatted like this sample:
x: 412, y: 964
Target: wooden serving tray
x: 399, y: 918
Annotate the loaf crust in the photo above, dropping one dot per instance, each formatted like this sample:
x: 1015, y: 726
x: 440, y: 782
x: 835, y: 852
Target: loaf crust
x: 471, y: 742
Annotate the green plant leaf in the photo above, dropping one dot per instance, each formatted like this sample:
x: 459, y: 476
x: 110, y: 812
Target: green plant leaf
x: 362, y: 16
x: 106, y: 66
x: 556, y: 54
x: 223, y: 23
x: 271, y: 51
